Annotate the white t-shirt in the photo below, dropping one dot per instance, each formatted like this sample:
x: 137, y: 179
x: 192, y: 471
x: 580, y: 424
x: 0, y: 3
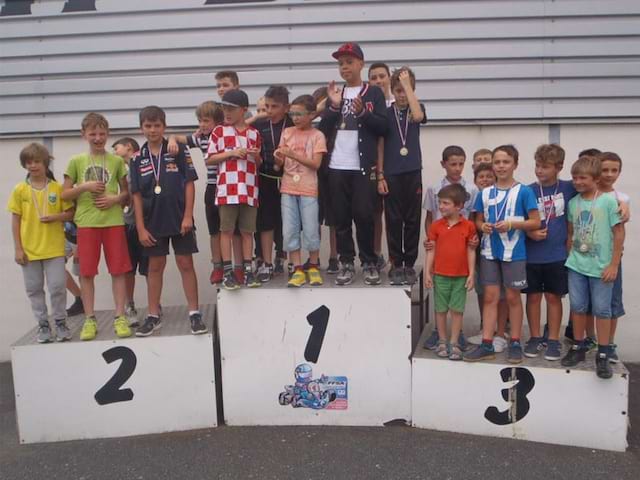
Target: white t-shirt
x: 346, y: 154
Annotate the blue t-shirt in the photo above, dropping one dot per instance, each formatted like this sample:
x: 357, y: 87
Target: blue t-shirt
x: 554, y: 247
x: 162, y: 212
x: 394, y: 162
x: 497, y: 205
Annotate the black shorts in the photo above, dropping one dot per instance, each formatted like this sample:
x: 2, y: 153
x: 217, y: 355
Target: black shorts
x: 325, y: 215
x: 547, y: 277
x: 139, y: 262
x: 269, y: 209
x: 182, y: 245
x: 211, y: 209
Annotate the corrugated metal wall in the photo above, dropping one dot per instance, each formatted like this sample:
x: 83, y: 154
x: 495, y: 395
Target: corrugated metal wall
x: 476, y: 61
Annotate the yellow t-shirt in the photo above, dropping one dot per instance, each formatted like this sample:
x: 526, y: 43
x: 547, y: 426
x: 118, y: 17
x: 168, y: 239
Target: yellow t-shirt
x: 39, y: 240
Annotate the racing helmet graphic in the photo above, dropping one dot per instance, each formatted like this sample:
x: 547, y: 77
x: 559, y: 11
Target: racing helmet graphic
x: 303, y: 373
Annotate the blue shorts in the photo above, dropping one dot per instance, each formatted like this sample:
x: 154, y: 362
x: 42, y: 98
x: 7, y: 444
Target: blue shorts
x: 585, y: 292
x: 617, y: 307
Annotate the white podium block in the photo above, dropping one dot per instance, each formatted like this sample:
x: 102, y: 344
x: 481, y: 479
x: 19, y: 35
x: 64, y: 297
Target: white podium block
x: 536, y: 400
x: 348, y: 346
x: 110, y: 387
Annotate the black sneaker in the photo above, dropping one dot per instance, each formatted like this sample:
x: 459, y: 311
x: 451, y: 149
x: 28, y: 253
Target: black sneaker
x: 603, y: 367
x: 574, y: 356
x: 371, y: 275
x: 346, y: 274
x: 264, y: 273
x: 396, y: 276
x: 250, y: 279
x: 197, y: 325
x: 514, y: 353
x: 410, y: 276
x: 481, y: 352
x: 76, y: 308
x: 278, y: 267
x: 150, y: 325
x: 334, y: 266
x: 381, y: 263
x: 230, y: 282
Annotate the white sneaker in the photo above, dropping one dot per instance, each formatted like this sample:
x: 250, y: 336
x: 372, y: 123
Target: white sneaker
x: 476, y: 339
x: 499, y: 344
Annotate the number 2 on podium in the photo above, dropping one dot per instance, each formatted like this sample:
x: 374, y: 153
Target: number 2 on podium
x: 111, y: 392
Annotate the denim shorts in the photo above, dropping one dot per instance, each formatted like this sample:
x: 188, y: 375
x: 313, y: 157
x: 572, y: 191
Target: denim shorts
x: 300, y: 212
x: 617, y: 307
x: 585, y: 292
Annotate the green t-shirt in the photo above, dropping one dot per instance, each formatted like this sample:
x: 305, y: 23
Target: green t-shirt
x: 592, y: 248
x: 110, y: 169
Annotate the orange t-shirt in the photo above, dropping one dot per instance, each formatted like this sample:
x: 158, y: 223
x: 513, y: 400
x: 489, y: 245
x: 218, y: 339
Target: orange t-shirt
x: 451, y: 246
x: 298, y: 179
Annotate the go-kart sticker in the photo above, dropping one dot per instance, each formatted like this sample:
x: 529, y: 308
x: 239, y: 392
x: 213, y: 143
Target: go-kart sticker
x: 324, y: 393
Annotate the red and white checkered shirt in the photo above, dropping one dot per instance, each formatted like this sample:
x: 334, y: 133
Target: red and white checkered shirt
x: 237, y: 177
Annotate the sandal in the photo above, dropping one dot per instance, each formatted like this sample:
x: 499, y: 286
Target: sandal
x: 442, y: 350
x: 456, y: 352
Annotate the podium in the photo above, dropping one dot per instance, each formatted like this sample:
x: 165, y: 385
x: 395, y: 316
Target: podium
x: 536, y: 400
x: 111, y: 387
x: 315, y: 355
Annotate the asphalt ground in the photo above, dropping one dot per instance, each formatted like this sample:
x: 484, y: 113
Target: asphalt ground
x: 394, y: 452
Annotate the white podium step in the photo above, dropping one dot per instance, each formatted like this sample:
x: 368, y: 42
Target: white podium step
x: 111, y: 387
x: 537, y: 400
x: 315, y: 356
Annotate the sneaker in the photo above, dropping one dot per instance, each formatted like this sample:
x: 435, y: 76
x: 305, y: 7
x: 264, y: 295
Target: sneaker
x: 591, y: 344
x: 76, y: 308
x: 89, y: 329
x: 298, y: 279
x: 278, y: 267
x: 514, y: 354
x: 132, y: 315
x: 371, y: 275
x: 476, y: 339
x: 380, y: 263
x: 442, y: 349
x: 534, y: 347
x: 250, y: 280
x: 432, y: 342
x: 574, y: 356
x: 554, y: 350
x: 455, y: 353
x: 410, y: 276
x: 499, y: 344
x: 346, y: 274
x: 217, y: 275
x: 150, y: 325
x: 44, y: 334
x: 239, y: 273
x: 603, y: 367
x: 315, y: 278
x: 230, y: 282
x: 62, y: 331
x: 613, y: 354
x: 463, y: 343
x: 334, y: 266
x: 396, y: 276
x: 481, y: 352
x: 197, y: 325
x: 121, y: 326
x: 265, y: 273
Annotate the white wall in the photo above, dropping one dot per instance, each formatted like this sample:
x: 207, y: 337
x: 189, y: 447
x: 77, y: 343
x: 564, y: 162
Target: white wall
x: 17, y: 317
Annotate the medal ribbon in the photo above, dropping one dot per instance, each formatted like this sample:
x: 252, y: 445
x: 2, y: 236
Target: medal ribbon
x: 156, y: 171
x: 403, y: 136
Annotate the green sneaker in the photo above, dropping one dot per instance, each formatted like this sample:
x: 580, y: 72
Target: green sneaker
x: 89, y: 329
x: 121, y: 326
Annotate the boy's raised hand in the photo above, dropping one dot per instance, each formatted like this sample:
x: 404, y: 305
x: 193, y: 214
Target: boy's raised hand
x: 405, y: 80
x: 334, y: 94
x: 21, y: 257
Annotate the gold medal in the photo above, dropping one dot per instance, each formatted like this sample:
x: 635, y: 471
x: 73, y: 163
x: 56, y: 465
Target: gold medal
x: 157, y: 190
x: 296, y: 178
x: 125, y: 209
x: 583, y: 248
x: 404, y: 151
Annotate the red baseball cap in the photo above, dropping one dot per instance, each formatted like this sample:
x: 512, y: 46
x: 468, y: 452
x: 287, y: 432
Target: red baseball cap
x: 349, y: 48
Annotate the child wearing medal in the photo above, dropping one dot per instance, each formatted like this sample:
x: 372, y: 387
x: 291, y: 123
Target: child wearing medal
x: 38, y: 213
x: 504, y: 212
x: 162, y: 185
x: 547, y: 252
x: 595, y: 239
x: 401, y: 178
x: 97, y: 182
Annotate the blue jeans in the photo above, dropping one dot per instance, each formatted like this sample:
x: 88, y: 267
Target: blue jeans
x: 585, y: 290
x: 300, y: 213
x: 617, y: 307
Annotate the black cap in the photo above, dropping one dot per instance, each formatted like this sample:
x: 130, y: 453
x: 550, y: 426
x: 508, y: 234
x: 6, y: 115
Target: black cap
x: 349, y: 48
x: 235, y: 98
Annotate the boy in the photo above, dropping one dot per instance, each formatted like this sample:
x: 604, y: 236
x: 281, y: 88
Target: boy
x: 235, y: 146
x: 450, y: 266
x: 503, y: 213
x: 163, y: 194
x: 380, y: 76
x: 356, y: 116
x: 209, y: 114
x: 38, y: 214
x: 402, y: 178
x: 547, y: 252
x: 481, y: 156
x: 97, y: 181
x: 300, y: 155
x: 269, y: 221
x: 595, y: 239
x: 127, y: 148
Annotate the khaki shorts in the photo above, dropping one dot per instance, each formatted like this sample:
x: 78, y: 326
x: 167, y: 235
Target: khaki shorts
x: 244, y: 215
